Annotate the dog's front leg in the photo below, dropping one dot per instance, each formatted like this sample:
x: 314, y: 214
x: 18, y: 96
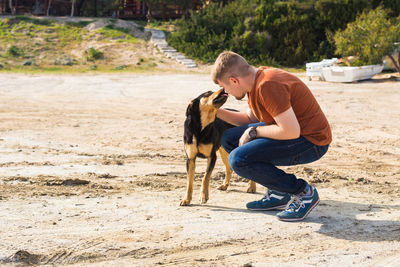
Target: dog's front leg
x: 205, y: 184
x: 190, y: 168
x: 252, y: 187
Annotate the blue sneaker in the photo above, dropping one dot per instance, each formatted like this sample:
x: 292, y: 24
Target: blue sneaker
x: 299, y: 206
x: 271, y: 201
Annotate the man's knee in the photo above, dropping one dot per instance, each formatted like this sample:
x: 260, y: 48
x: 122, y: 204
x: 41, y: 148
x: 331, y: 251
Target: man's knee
x: 237, y: 160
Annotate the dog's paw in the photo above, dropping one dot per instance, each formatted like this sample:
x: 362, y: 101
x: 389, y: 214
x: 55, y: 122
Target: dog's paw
x: 185, y: 202
x: 222, y: 187
x: 204, y: 198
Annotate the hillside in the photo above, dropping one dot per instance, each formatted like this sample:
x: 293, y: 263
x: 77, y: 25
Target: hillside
x: 64, y: 44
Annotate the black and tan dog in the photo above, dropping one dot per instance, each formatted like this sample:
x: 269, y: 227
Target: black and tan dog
x: 202, y: 138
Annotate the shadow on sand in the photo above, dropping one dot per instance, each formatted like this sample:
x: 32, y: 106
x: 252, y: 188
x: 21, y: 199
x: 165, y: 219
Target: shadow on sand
x: 338, y: 219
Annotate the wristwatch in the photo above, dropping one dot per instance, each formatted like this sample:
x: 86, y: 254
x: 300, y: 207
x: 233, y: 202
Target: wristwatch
x: 253, y: 133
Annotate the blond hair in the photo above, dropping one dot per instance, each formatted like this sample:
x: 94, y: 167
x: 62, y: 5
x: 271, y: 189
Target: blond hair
x: 229, y: 64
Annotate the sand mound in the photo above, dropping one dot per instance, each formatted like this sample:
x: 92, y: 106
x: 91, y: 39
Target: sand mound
x: 134, y: 29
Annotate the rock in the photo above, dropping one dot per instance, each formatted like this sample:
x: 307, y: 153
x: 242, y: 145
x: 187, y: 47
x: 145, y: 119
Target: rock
x: 121, y: 67
x: 27, y: 63
x: 66, y: 61
x: 25, y: 257
x: 74, y: 182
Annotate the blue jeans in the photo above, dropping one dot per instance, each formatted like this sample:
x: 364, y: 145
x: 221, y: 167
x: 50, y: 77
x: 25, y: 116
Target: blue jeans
x: 257, y: 159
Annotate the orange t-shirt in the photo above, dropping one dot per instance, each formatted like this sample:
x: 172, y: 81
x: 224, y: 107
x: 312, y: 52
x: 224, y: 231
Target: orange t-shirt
x: 275, y: 91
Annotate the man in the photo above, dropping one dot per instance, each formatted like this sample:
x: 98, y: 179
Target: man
x: 283, y: 126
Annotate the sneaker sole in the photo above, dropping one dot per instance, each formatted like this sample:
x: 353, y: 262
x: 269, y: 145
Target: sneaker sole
x: 266, y: 209
x: 301, y: 218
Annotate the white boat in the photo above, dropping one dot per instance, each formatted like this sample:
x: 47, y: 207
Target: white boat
x: 350, y: 74
x: 314, y: 69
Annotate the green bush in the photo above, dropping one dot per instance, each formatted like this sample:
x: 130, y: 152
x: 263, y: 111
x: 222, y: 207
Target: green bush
x: 92, y: 54
x: 19, y: 18
x: 13, y: 51
x: 220, y: 27
x: 79, y: 24
x: 370, y: 37
x: 269, y: 31
x: 122, y: 34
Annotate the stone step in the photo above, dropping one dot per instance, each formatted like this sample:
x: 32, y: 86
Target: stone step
x: 159, y: 46
x: 186, y: 61
x: 175, y: 55
x: 168, y: 50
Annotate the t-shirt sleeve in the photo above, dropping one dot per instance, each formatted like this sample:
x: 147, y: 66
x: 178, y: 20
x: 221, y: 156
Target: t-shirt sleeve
x: 274, y: 97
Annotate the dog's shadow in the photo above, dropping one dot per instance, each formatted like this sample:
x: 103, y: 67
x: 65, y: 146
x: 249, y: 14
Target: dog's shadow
x: 341, y: 220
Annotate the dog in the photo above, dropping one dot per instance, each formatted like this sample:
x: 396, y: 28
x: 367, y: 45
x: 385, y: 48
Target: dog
x: 202, y: 138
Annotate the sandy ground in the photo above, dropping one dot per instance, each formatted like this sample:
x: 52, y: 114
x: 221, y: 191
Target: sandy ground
x: 92, y: 172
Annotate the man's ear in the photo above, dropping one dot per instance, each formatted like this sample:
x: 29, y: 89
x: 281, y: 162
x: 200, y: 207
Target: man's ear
x: 234, y: 80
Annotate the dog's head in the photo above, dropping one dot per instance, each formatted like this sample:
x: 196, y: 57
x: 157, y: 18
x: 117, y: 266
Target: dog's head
x: 203, y: 109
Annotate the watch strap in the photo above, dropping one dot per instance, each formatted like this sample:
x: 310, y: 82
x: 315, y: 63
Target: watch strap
x: 253, y: 133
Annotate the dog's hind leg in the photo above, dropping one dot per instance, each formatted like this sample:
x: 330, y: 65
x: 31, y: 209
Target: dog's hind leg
x: 228, y: 169
x: 205, y: 184
x: 190, y: 168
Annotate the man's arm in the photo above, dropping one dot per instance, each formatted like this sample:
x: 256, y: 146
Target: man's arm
x: 251, y: 116
x: 236, y: 118
x: 286, y: 127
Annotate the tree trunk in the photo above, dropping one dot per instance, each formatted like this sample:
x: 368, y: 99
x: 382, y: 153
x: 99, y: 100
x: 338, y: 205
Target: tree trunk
x: 149, y: 15
x: 48, y: 8
x: 95, y: 8
x: 395, y: 63
x: 37, y: 8
x: 163, y: 12
x: 117, y: 7
x: 13, y: 10
x: 72, y: 7
x: 79, y: 7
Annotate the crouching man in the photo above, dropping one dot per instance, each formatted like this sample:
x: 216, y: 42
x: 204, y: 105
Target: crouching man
x: 283, y: 126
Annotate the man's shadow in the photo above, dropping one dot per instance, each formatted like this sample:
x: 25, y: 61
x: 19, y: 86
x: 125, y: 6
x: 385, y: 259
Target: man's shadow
x: 347, y: 220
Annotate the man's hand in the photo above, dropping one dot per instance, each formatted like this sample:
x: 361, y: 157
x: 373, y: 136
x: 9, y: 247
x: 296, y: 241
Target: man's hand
x: 245, y: 137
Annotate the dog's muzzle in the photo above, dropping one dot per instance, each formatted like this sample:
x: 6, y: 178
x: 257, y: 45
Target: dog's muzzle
x: 221, y: 98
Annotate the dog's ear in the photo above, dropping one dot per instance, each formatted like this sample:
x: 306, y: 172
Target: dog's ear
x: 189, y: 109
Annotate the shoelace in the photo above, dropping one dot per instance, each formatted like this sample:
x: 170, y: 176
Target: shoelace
x: 295, y: 203
x: 267, y: 194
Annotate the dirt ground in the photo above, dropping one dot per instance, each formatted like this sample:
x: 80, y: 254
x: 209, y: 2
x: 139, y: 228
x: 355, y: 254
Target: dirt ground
x: 92, y: 171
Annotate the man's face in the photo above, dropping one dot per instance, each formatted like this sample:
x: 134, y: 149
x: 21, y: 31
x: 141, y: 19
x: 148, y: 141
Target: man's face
x: 233, y: 87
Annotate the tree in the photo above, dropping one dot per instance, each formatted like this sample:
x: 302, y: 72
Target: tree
x: 72, y: 7
x: 48, y: 8
x: 79, y: 7
x: 12, y: 8
x: 370, y: 37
